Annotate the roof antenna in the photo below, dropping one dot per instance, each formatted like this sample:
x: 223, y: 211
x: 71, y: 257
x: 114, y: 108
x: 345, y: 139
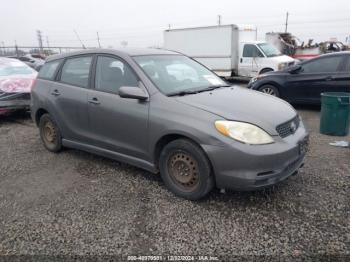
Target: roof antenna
x: 76, y: 34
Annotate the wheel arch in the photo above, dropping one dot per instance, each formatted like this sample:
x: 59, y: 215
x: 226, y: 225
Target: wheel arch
x: 276, y: 85
x: 167, y: 138
x: 265, y: 69
x: 38, y: 114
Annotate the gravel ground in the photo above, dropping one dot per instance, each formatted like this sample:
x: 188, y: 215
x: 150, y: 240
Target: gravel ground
x: 78, y: 204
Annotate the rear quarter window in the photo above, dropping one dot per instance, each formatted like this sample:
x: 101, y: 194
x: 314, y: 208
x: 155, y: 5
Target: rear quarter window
x: 49, y: 69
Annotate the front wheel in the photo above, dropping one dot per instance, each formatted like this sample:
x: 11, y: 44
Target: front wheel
x: 185, y: 169
x: 270, y: 90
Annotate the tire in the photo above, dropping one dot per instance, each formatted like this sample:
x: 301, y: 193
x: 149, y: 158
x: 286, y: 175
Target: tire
x: 265, y: 70
x: 185, y: 169
x: 50, y: 134
x: 270, y: 90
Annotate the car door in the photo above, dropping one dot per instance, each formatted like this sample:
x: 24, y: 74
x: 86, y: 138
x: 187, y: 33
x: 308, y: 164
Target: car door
x: 313, y: 78
x: 342, y: 78
x: 118, y: 124
x: 249, y: 62
x: 68, y: 98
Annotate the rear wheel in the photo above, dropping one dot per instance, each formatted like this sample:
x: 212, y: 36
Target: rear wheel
x: 50, y: 133
x: 270, y: 90
x: 185, y: 169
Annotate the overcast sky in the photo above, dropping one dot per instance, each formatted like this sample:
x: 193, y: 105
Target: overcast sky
x: 141, y: 22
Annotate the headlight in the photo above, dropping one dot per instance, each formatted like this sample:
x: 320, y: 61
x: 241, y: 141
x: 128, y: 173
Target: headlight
x: 282, y: 66
x: 254, y: 79
x: 243, y: 132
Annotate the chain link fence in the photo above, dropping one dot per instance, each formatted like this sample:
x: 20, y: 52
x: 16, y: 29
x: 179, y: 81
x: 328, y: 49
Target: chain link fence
x: 18, y: 51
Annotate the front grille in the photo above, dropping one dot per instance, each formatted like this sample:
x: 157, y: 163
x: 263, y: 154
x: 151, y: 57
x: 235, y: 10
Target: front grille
x: 288, y: 128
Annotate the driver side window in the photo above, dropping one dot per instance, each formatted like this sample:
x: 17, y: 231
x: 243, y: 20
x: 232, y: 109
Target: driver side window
x: 323, y: 65
x: 112, y: 74
x: 251, y: 51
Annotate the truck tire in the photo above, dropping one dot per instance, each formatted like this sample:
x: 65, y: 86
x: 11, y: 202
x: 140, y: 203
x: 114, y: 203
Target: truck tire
x: 185, y: 169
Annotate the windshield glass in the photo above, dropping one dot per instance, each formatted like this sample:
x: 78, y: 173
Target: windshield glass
x: 269, y: 50
x: 174, y: 74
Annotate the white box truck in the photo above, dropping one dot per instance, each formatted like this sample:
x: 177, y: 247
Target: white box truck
x: 229, y: 50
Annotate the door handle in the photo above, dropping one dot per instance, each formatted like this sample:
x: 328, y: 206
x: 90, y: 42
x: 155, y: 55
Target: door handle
x: 241, y: 60
x: 329, y: 78
x: 94, y: 101
x: 55, y: 93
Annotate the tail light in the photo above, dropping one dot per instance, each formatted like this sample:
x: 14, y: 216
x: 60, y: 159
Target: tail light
x: 33, y: 84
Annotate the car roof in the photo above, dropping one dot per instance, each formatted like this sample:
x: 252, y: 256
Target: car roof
x: 119, y: 52
x: 336, y: 53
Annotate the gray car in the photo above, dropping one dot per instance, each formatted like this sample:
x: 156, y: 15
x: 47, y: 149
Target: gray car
x: 164, y: 112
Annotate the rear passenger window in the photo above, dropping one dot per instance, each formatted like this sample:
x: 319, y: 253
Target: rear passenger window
x: 75, y: 71
x: 323, y: 65
x: 48, y: 70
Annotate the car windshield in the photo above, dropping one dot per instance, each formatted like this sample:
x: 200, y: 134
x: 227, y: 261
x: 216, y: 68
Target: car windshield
x: 15, y: 68
x: 269, y: 50
x: 177, y: 74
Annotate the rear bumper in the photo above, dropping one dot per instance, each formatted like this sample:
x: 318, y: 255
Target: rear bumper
x: 246, y: 167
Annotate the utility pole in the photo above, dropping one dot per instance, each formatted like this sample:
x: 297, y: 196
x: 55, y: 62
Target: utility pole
x: 16, y: 48
x: 3, y: 47
x: 286, y: 30
x: 219, y: 19
x: 40, y: 40
x: 98, y: 40
x: 47, y: 42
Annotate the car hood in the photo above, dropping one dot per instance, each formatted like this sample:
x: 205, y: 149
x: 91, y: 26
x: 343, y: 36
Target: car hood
x: 241, y: 104
x: 282, y: 59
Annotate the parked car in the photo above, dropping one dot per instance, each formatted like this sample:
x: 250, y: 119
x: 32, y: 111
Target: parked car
x: 305, y: 82
x: 16, y: 80
x: 33, y: 61
x: 134, y: 107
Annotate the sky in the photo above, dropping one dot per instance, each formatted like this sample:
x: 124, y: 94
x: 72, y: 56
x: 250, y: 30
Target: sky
x: 140, y: 23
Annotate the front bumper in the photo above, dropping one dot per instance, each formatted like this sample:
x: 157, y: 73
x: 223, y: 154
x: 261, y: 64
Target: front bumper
x: 13, y: 101
x: 249, y: 167
x: 252, y: 85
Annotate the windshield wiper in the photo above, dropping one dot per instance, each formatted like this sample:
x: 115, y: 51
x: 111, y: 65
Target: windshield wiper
x: 189, y: 92
x: 182, y: 93
x: 209, y: 88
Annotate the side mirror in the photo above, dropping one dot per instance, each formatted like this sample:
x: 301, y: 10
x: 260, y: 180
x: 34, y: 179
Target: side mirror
x: 295, y: 69
x: 132, y: 92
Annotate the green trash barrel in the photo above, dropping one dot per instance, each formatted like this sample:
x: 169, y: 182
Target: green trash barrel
x: 335, y: 113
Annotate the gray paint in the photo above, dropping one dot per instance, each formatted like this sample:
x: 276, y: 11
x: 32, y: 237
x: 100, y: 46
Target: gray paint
x: 128, y: 129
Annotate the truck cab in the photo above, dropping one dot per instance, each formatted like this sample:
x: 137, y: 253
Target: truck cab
x: 257, y: 57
